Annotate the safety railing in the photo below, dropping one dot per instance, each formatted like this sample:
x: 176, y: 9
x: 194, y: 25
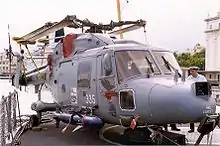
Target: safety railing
x: 8, y: 122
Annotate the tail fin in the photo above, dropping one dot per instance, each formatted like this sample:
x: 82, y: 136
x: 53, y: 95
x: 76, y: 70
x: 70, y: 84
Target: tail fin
x: 58, y: 34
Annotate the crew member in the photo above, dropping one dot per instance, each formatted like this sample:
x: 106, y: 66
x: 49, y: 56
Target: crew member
x: 173, y: 127
x: 195, y: 76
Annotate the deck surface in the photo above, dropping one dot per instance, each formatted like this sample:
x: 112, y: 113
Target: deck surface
x: 50, y: 135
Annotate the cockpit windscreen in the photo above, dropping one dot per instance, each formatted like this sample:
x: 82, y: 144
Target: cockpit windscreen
x: 167, y: 62
x: 130, y: 63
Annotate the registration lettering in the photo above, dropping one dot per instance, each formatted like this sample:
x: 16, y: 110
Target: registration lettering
x: 90, y: 99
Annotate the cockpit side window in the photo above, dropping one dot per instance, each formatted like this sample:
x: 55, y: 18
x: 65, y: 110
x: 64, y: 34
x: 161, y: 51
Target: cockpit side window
x: 84, y: 74
x: 107, y: 68
x: 127, y: 100
x: 107, y: 71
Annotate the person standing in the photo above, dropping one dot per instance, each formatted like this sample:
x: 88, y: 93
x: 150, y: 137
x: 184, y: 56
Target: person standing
x: 196, y: 77
x: 173, y: 127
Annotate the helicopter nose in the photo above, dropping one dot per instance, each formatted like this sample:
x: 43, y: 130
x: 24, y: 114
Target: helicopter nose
x: 180, y: 103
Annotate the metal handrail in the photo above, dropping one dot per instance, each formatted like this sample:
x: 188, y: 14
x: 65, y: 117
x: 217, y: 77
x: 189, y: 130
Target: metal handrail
x: 8, y: 112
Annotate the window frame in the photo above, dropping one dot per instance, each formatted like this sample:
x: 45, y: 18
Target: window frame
x: 151, y: 55
x: 79, y: 74
x: 102, y: 65
x: 134, y: 99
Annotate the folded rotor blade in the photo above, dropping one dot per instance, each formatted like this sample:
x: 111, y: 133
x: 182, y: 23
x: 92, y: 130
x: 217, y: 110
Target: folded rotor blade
x: 126, y: 29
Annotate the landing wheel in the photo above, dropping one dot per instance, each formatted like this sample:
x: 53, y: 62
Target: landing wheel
x: 34, y: 121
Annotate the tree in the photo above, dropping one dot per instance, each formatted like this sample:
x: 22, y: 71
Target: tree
x: 189, y: 59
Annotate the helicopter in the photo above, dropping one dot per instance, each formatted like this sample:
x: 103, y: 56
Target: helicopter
x: 96, y: 78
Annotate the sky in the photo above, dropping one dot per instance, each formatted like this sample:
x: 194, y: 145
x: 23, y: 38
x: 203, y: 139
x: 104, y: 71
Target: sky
x: 172, y: 24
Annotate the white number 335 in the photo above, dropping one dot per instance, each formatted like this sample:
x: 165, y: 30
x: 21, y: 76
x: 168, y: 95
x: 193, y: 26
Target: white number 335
x: 90, y: 99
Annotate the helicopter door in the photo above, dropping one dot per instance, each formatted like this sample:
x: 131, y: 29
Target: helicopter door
x: 65, y: 82
x: 86, y: 82
x: 106, y: 82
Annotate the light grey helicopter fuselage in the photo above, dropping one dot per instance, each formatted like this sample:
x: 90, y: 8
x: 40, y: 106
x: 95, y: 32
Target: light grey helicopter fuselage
x: 100, y: 64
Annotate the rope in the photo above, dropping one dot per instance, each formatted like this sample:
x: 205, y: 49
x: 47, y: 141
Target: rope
x: 29, y: 53
x: 156, y: 132
x: 19, y: 111
x: 2, y: 112
x: 8, y: 111
x: 145, y: 34
x: 14, y: 106
x: 39, y: 74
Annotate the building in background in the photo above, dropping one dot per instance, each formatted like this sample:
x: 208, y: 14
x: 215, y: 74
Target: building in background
x: 196, y: 49
x: 212, y: 51
x: 4, y: 64
x: 212, y: 59
x: 212, y: 54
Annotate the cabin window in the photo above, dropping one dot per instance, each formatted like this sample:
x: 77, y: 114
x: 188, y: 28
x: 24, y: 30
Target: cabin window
x: 107, y: 64
x: 108, y: 82
x: 127, y: 100
x: 84, y: 74
x: 210, y: 76
x: 218, y: 77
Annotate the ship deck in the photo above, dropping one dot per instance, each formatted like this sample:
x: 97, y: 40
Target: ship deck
x: 50, y: 135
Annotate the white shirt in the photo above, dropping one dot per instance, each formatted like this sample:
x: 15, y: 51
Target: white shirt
x: 199, y: 78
